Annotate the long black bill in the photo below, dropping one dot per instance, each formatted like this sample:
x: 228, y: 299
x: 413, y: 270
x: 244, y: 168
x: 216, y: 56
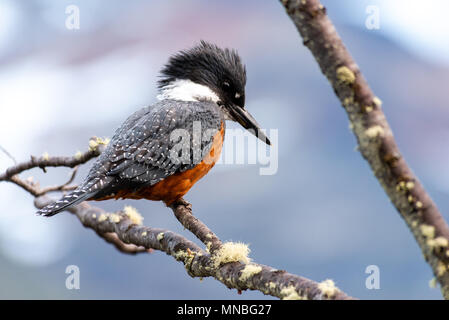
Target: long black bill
x: 248, y: 122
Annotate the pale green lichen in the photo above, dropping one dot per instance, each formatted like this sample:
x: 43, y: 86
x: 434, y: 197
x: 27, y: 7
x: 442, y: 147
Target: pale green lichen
x: 180, y: 255
x: 439, y: 242
x: 290, y: 293
x: 94, y: 215
x: 143, y: 234
x: 45, y: 156
x: 160, y: 236
x: 368, y: 109
x: 94, y: 143
x: 427, y: 231
x: 345, y: 74
x: 377, y: 101
x: 231, y: 252
x: 328, y: 288
x: 186, y: 256
x: 410, y: 185
x: 115, y: 218
x: 374, y: 131
x: 208, y: 246
x: 133, y: 215
x: 347, y: 101
x: 78, y: 155
x: 419, y: 204
x: 249, y: 271
x: 102, y: 217
x: 433, y: 283
x: 441, y: 269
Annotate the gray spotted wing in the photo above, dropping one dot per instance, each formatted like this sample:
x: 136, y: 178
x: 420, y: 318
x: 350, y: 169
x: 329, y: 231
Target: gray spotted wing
x: 139, y: 154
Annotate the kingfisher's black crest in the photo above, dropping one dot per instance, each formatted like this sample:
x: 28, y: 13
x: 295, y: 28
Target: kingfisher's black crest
x: 207, y: 64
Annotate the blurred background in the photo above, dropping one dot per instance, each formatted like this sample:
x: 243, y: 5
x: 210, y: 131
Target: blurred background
x: 322, y: 215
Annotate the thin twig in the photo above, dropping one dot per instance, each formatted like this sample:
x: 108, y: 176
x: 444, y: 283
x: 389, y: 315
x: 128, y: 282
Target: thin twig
x: 25, y: 185
x: 63, y: 187
x: 47, y: 161
x: 8, y: 154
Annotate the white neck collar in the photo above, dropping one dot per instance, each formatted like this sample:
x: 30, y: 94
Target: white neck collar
x: 187, y: 90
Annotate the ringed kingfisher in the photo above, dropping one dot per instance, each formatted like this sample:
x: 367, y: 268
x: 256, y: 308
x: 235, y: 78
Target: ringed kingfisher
x: 206, y: 85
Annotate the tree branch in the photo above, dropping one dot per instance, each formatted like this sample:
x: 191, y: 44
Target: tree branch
x: 63, y: 187
x: 96, y: 146
x: 240, y: 275
x: 8, y: 154
x: 374, y: 135
x: 183, y: 212
x: 227, y: 262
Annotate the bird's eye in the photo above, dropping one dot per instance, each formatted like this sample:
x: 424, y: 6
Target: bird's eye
x: 226, y: 84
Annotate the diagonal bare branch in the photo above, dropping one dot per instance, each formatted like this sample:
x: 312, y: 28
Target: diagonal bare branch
x: 374, y: 135
x: 9, y: 155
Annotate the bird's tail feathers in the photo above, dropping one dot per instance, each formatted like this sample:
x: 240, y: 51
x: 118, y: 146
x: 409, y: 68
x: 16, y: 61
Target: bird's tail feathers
x: 68, y: 200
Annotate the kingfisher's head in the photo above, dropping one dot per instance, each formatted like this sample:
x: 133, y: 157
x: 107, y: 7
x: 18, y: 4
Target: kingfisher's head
x: 209, y: 73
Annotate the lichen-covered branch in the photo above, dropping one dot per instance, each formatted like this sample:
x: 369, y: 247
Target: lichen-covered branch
x: 96, y: 146
x: 374, y: 135
x: 227, y: 262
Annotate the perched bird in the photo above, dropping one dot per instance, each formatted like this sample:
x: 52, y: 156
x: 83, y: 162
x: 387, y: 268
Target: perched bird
x: 156, y: 153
